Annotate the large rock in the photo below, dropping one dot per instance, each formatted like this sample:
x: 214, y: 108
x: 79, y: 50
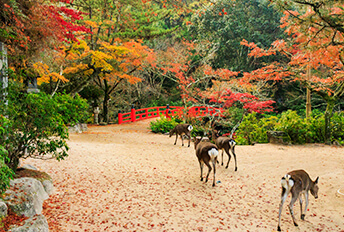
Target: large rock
x: 30, y: 171
x: 278, y: 137
x: 37, y: 223
x: 25, y: 196
x: 3, y: 209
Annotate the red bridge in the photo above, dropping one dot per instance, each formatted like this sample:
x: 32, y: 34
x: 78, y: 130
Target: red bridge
x: 168, y: 112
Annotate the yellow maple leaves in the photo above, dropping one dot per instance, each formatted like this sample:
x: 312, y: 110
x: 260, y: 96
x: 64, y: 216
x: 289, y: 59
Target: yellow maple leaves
x: 110, y: 61
x: 45, y: 75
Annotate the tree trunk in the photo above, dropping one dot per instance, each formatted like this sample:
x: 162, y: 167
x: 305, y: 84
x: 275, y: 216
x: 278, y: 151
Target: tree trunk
x: 106, y: 102
x: 328, y: 114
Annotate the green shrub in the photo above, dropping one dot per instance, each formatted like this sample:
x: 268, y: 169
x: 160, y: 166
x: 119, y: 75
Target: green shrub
x: 338, y: 127
x: 72, y: 109
x: 163, y: 125
x: 5, y: 172
x: 253, y: 129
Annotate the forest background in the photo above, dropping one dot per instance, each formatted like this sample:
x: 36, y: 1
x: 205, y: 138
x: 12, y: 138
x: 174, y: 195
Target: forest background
x: 257, y: 59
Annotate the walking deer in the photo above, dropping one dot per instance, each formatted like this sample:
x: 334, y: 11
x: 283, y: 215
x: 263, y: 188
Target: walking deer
x: 298, y: 183
x: 180, y: 130
x: 206, y: 152
x: 227, y: 144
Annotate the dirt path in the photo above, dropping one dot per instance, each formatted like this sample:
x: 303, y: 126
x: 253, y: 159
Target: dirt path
x: 124, y: 178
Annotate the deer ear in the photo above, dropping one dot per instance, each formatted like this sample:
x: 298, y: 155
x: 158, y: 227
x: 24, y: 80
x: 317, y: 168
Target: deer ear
x: 316, y: 180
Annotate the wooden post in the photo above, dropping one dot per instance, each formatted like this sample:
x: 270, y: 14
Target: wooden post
x: 120, y: 117
x: 133, y: 116
x: 157, y: 111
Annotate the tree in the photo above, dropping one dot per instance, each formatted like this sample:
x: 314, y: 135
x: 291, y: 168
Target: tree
x: 109, y: 65
x: 36, y: 125
x: 30, y: 27
x: 317, y: 40
x: 223, y: 24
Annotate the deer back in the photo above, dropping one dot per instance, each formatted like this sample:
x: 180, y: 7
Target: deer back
x: 302, y: 182
x: 181, y: 129
x: 202, y: 149
x: 224, y: 142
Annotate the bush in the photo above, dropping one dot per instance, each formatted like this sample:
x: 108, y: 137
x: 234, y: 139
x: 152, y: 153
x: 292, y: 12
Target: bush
x: 299, y: 130
x: 338, y: 127
x: 163, y: 125
x: 72, y: 109
x: 254, y: 130
x: 5, y: 172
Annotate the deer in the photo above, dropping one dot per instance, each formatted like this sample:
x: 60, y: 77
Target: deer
x: 181, y: 129
x: 206, y: 153
x: 225, y: 144
x: 298, y: 183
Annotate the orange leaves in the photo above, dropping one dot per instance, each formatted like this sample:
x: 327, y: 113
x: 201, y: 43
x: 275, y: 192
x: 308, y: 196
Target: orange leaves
x: 112, y: 61
x: 336, y: 11
x: 223, y: 74
x: 45, y: 75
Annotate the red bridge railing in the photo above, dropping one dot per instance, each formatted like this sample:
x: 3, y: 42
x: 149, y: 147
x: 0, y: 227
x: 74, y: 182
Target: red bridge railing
x: 167, y: 111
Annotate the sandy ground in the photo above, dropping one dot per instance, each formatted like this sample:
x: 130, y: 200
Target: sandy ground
x: 125, y: 178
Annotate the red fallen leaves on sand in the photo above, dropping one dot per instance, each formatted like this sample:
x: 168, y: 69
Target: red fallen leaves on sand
x: 12, y: 219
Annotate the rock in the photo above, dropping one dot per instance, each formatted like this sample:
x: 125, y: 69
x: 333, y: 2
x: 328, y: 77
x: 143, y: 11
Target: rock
x: 3, y: 209
x: 29, y: 166
x: 37, y: 223
x: 43, y: 177
x: 48, y: 186
x: 278, y: 137
x: 25, y: 196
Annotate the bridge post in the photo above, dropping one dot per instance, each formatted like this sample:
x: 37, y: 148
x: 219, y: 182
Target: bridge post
x: 157, y: 111
x: 120, y: 117
x: 133, y: 116
x: 167, y: 111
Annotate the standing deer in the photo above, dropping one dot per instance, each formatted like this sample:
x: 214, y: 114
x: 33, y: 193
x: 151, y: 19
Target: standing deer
x: 206, y: 152
x: 181, y: 129
x: 297, y: 182
x: 227, y: 144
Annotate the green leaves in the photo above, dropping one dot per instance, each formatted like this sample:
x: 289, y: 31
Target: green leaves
x: 37, y: 125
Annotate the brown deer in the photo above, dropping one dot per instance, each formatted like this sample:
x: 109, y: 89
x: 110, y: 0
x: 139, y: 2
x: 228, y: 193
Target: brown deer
x: 182, y: 129
x: 206, y: 152
x: 297, y: 182
x: 227, y: 144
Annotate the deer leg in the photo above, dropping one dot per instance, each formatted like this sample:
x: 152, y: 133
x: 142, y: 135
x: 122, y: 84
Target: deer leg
x: 175, y: 142
x: 306, y: 205
x: 300, y: 200
x: 283, y: 198
x: 201, y: 164
x: 209, y: 170
x: 181, y: 135
x: 229, y: 158
x: 222, y: 158
x: 214, y: 163
x: 189, y: 135
x: 291, y: 205
x: 236, y: 167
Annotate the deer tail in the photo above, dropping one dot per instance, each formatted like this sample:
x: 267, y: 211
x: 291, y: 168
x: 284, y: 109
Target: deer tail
x: 213, y: 153
x: 190, y: 128
x: 232, y: 143
x: 287, y: 183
